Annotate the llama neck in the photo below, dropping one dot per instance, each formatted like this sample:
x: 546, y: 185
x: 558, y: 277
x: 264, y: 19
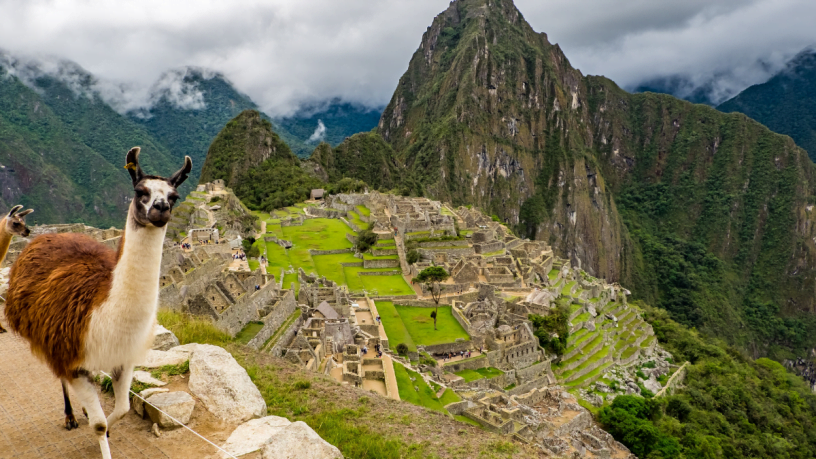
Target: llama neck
x: 5, y: 240
x: 135, y: 283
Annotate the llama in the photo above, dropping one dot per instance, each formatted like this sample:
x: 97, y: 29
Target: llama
x: 84, y: 307
x: 12, y: 225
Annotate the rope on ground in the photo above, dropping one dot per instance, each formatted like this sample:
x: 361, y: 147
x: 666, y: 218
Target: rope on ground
x: 177, y: 421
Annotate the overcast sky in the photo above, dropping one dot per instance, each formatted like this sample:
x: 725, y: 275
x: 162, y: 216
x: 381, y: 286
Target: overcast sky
x: 284, y: 53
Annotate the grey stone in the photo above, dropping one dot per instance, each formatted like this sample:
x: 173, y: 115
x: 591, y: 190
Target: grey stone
x: 157, y: 359
x: 145, y: 378
x: 589, y: 325
x: 252, y: 435
x: 138, y: 404
x: 299, y: 441
x: 601, y: 387
x: 163, y: 339
x: 652, y: 384
x: 179, y: 405
x: 223, y: 386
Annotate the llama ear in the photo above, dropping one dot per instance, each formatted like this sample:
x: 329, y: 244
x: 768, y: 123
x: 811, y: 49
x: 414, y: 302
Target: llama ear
x: 14, y: 210
x: 24, y: 213
x: 132, y: 165
x: 181, y: 175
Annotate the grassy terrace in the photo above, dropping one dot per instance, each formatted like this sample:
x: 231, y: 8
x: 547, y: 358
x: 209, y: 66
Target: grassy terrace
x: 572, y: 339
x: 582, y: 318
x: 394, y: 327
x: 412, y: 326
x: 282, y: 329
x: 322, y: 234
x: 248, y: 332
x: 425, y: 396
x: 553, y: 274
x: 491, y: 254
x: 481, y: 373
x: 590, y: 376
x: 592, y: 359
x: 354, y: 218
x: 363, y: 210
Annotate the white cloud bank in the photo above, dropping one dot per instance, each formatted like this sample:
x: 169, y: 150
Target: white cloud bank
x: 286, y: 53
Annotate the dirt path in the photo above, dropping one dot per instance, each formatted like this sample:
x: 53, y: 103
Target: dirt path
x: 31, y: 418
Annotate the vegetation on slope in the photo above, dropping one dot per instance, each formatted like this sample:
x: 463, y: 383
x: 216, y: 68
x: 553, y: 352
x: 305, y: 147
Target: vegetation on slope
x: 729, y: 406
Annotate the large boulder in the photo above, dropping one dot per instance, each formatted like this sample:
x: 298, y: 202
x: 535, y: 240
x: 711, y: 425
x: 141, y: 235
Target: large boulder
x: 299, y: 441
x: 179, y: 405
x: 252, y: 435
x: 163, y: 339
x: 223, y: 386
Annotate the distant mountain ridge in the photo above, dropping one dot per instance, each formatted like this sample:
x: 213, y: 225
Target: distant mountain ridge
x: 54, y: 115
x: 786, y: 103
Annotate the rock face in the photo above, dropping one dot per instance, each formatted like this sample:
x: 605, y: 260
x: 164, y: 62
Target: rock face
x: 299, y: 441
x: 179, y: 405
x: 223, y: 386
x: 163, y: 339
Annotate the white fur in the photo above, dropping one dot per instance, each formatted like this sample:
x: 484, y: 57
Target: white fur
x: 121, y: 328
x: 86, y: 393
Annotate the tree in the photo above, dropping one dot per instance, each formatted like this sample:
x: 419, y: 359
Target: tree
x: 432, y: 277
x: 365, y: 240
x: 412, y: 256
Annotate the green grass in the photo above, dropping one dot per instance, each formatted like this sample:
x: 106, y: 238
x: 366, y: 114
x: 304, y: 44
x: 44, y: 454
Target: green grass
x: 419, y: 324
x: 553, y: 274
x: 473, y: 375
x: 354, y: 219
x: 253, y: 264
x: 449, y: 396
x: 249, y: 331
x: 394, y: 327
x: 192, y: 329
x: 386, y: 243
x: 581, y: 318
x: 289, y: 278
x: 386, y: 285
x: 467, y: 420
x: 363, y: 210
x: 491, y: 254
x: 330, y: 267
x: 425, y: 396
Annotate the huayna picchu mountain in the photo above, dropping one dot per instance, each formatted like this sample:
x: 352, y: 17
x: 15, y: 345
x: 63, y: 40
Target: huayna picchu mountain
x: 709, y: 215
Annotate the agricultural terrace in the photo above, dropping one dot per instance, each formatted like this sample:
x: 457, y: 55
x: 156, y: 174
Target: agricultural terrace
x: 322, y: 234
x: 413, y: 325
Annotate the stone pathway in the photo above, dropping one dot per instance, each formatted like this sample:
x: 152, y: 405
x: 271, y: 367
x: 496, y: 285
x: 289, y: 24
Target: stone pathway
x: 31, y: 417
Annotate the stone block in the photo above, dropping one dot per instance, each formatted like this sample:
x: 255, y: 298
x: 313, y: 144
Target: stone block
x: 179, y: 405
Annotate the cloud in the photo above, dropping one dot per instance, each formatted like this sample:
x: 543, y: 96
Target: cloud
x: 286, y: 54
x: 319, y: 133
x: 721, y: 45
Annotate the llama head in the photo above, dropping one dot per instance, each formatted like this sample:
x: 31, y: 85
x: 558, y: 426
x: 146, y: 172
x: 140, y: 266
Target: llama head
x: 15, y: 221
x: 155, y: 196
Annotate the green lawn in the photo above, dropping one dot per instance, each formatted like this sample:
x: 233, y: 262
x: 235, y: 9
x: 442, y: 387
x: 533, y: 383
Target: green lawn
x: 329, y: 266
x: 363, y: 210
x: 425, y: 396
x: 467, y: 420
x: 354, y: 218
x: 394, y: 327
x: 473, y: 375
x: 249, y: 331
x: 419, y: 324
x: 387, y: 285
x: 449, y: 396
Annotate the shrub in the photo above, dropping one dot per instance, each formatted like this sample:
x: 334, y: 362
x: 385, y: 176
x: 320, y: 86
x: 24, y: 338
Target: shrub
x: 365, y: 240
x: 426, y: 359
x: 247, y: 244
x: 412, y: 256
x: 402, y: 349
x: 302, y: 385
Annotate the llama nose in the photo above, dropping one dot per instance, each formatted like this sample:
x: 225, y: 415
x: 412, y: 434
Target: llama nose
x: 161, y: 205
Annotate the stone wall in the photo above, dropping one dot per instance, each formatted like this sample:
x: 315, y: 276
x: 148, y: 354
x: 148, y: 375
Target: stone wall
x: 286, y: 337
x: 467, y: 364
x: 463, y: 251
x: 387, y: 263
x: 675, y: 380
x: 383, y: 252
x: 328, y: 252
x: 245, y: 309
x: 273, y: 321
x: 321, y: 212
x: 379, y: 273
x: 431, y: 244
x: 533, y: 371
x: 488, y: 247
x: 528, y: 386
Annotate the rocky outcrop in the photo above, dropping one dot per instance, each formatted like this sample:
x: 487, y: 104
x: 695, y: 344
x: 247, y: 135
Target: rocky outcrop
x: 298, y: 441
x: 223, y: 386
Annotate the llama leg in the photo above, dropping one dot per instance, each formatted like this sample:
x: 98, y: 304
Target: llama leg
x: 86, y: 393
x: 70, y: 420
x: 121, y: 377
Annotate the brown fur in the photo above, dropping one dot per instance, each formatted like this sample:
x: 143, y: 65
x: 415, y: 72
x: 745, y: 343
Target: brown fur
x: 54, y: 286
